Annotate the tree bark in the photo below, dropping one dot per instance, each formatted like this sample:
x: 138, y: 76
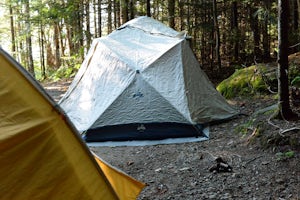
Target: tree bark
x: 148, y: 8
x: 99, y: 19
x: 285, y: 111
x: 109, y: 17
x: 88, y: 25
x: 12, y: 30
x: 255, y: 30
x: 296, y: 16
x: 56, y: 43
x: 235, y: 30
x: 181, y: 14
x: 124, y: 11
x: 171, y: 11
x: 265, y: 34
x: 42, y: 51
x: 117, y: 14
x: 131, y: 10
x: 29, y: 41
x: 217, y: 34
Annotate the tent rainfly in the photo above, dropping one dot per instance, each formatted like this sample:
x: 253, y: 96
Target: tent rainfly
x: 142, y: 82
x: 42, y: 154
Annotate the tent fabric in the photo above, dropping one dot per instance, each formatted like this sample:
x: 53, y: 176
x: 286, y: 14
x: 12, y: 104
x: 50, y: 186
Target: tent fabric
x: 42, y: 155
x: 143, y: 73
x: 124, y: 186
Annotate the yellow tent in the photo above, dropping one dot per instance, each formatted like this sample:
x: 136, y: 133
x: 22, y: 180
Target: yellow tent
x: 41, y: 154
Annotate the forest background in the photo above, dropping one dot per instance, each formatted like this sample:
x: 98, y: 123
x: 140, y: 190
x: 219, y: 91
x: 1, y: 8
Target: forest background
x: 50, y: 38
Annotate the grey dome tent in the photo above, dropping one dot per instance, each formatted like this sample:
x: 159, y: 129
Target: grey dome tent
x: 142, y: 82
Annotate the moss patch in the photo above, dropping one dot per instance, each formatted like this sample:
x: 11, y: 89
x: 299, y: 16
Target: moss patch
x: 245, y: 81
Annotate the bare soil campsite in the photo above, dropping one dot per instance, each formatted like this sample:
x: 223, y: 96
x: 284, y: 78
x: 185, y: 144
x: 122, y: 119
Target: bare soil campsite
x: 260, y: 155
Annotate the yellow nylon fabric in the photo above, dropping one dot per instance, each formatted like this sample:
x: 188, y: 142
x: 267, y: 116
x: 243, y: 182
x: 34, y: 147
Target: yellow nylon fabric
x: 126, y: 187
x: 41, y: 157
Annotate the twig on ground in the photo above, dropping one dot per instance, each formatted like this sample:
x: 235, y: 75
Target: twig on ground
x: 288, y: 130
x: 251, y: 160
x: 282, y: 131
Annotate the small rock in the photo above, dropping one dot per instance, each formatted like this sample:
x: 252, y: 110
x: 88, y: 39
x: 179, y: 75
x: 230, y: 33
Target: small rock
x: 158, y: 170
x: 279, y: 180
x: 184, y: 169
x: 193, y: 184
x: 212, y: 196
x: 265, y: 163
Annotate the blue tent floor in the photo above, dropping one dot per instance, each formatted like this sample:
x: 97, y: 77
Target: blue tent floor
x: 151, y: 142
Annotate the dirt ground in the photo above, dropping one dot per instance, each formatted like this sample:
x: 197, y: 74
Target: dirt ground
x: 261, y: 155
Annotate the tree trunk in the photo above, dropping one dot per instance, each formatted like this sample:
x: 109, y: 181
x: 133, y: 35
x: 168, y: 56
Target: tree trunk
x: 217, y: 34
x: 95, y: 18
x: 56, y: 43
x: 99, y: 19
x: 80, y: 29
x: 117, y: 14
x: 61, y: 40
x: 148, y: 8
x: 88, y: 25
x: 12, y: 30
x: 255, y: 31
x: 131, y: 9
x: 295, y: 16
x: 188, y: 17
x: 181, y: 14
x: 70, y: 42
x: 265, y: 34
x: 22, y: 53
x: 298, y: 3
x: 124, y: 11
x: 235, y: 30
x: 285, y: 111
x: 171, y: 11
x: 109, y: 17
x: 42, y: 51
x: 28, y: 41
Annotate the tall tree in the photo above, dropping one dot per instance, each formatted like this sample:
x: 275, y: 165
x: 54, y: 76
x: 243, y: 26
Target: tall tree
x: 42, y: 51
x: 148, y: 8
x: 12, y: 29
x: 171, y: 11
x: 254, y: 23
x: 295, y: 15
x: 88, y: 24
x: 265, y: 34
x: 28, y: 39
x: 217, y: 33
x: 117, y: 16
x: 109, y: 16
x: 57, y: 45
x: 235, y: 30
x: 124, y: 11
x: 285, y: 111
x: 99, y: 18
x: 131, y: 9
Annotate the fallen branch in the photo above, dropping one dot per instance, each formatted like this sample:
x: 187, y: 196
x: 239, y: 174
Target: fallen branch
x: 288, y: 130
x: 294, y: 45
x: 282, y: 131
x: 272, y: 124
x: 251, y: 160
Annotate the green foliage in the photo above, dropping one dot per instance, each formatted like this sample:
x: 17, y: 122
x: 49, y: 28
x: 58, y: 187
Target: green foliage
x: 243, y: 128
x: 63, y: 72
x: 294, y: 70
x: 296, y: 82
x: 282, y: 156
x: 244, y: 81
x: 68, y: 69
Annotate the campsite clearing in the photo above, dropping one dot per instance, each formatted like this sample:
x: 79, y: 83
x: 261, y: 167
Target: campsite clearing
x: 264, y: 165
